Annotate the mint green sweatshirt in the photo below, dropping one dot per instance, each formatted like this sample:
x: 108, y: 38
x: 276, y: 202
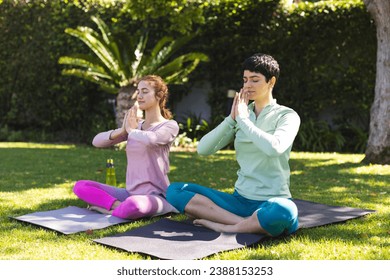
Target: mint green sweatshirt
x: 263, y: 147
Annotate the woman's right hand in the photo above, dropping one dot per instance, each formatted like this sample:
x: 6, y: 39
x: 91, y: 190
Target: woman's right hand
x: 123, y: 128
x: 132, y: 118
x: 234, y: 105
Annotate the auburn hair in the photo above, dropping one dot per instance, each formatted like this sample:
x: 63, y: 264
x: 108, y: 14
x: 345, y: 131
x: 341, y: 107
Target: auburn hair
x: 161, y: 91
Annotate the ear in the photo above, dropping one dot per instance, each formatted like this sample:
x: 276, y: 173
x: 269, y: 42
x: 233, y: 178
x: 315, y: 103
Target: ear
x: 272, y: 81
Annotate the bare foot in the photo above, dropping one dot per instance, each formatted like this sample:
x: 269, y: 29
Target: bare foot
x: 116, y: 204
x: 249, y: 225
x: 211, y: 225
x: 100, y: 210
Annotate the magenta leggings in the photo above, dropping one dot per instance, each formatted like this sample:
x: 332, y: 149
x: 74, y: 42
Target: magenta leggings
x: 131, y: 207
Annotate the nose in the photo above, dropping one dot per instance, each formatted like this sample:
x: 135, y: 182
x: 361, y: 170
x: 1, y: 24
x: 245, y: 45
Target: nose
x: 247, y: 86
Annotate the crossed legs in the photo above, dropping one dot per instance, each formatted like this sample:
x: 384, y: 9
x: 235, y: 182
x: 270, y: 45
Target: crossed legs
x: 225, y: 212
x: 117, y: 201
x: 212, y: 216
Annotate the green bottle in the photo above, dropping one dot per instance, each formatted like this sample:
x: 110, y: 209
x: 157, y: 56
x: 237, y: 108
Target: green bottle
x: 110, y: 173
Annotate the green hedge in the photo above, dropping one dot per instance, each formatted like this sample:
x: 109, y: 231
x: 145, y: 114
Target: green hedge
x: 326, y: 50
x: 327, y: 54
x: 37, y: 102
x: 335, y: 43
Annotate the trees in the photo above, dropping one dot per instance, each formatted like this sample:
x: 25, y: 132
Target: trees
x: 378, y: 146
x: 119, y: 60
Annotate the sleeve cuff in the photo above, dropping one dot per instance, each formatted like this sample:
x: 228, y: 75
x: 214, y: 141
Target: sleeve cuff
x: 240, y: 120
x: 229, y: 120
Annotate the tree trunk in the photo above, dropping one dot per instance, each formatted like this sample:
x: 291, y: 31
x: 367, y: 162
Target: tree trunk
x: 378, y: 146
x: 125, y: 99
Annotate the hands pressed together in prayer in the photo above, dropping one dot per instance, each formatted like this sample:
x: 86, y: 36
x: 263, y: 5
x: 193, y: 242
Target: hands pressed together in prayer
x: 132, y: 117
x: 130, y: 121
x: 240, y: 105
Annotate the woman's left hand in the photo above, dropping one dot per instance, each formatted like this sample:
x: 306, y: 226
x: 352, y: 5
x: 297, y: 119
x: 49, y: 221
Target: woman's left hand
x: 242, y: 104
x: 133, y: 118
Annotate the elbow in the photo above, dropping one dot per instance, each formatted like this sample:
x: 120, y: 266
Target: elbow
x: 152, y: 140
x: 95, y: 143
x: 274, y: 153
x: 202, y: 150
x: 275, y: 150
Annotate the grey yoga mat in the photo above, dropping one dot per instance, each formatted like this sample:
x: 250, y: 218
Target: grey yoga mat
x: 168, y: 239
x: 71, y: 219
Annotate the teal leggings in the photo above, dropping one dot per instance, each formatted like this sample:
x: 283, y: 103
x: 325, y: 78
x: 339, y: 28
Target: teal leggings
x: 276, y: 215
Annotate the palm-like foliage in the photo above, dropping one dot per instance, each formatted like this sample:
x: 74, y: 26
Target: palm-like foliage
x: 118, y: 60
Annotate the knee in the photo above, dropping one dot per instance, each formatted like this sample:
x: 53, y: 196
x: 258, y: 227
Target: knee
x: 178, y: 196
x: 79, y: 186
x: 279, y: 216
x: 128, y: 210
x: 173, y: 191
x: 138, y: 206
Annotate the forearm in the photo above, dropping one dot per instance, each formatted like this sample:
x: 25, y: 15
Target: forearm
x: 276, y: 143
x: 218, y: 138
x: 117, y: 133
x: 109, y: 138
x: 164, y: 135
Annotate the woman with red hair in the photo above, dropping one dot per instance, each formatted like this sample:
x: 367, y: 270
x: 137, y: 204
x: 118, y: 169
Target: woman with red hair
x: 148, y: 145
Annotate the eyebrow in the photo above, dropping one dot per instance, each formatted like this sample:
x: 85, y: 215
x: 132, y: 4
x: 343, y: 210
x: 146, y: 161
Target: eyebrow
x: 253, y: 76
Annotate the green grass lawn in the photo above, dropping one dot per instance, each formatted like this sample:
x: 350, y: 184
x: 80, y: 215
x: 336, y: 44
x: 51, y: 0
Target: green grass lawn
x: 40, y: 177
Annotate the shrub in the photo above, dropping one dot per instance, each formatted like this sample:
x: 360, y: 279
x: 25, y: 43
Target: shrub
x: 326, y: 49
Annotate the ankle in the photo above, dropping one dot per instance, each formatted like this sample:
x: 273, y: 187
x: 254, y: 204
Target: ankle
x: 115, y: 204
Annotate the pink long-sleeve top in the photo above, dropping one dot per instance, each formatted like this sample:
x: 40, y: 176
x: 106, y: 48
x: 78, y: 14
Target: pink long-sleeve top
x: 147, y: 156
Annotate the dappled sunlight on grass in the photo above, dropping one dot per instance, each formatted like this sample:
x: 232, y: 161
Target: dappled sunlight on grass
x: 338, y: 179
x: 326, y: 156
x: 296, y: 172
x: 338, y: 189
x: 325, y: 159
x: 371, y: 169
x: 35, y: 145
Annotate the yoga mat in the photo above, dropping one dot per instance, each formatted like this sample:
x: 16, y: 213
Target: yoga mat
x: 71, y: 219
x: 313, y: 214
x: 168, y: 239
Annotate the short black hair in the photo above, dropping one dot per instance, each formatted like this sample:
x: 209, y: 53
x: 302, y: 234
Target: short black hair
x: 263, y: 64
